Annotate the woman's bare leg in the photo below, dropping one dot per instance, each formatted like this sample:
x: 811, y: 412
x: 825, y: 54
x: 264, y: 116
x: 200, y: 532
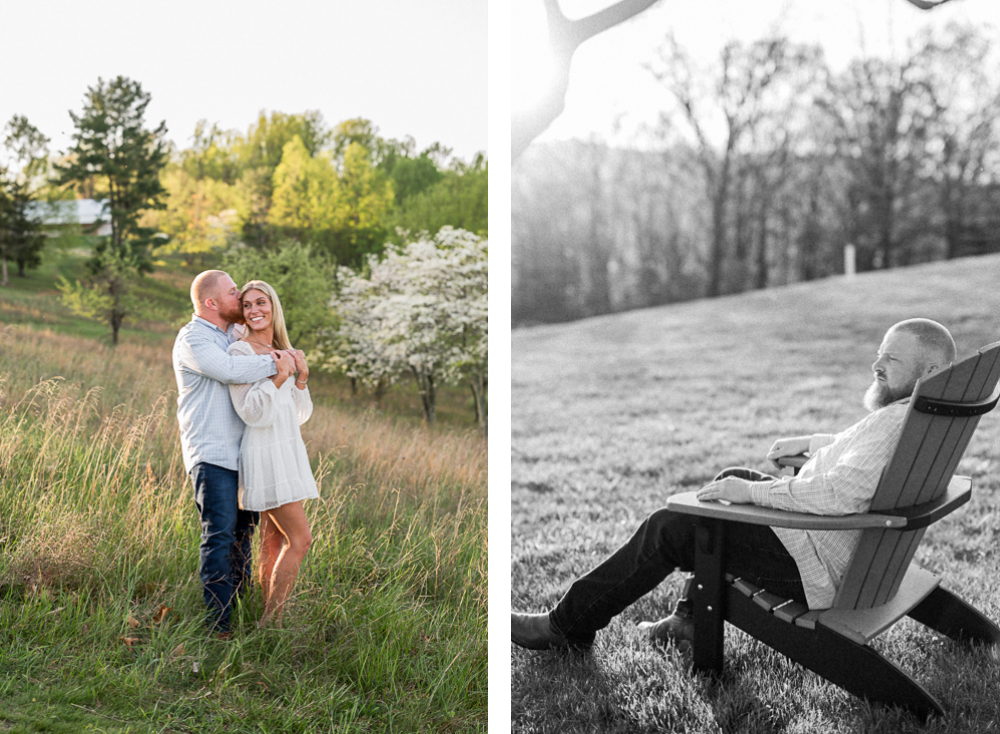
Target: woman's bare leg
x: 290, y: 520
x: 271, y: 541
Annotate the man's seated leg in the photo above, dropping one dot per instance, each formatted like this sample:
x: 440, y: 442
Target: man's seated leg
x: 663, y: 542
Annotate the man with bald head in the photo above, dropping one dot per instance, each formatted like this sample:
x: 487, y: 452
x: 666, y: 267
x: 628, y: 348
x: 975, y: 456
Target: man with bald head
x: 839, y: 478
x: 211, y: 432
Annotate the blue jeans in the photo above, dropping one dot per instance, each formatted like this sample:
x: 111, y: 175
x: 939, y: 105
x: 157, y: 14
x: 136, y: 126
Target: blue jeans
x: 663, y: 542
x: 226, y: 535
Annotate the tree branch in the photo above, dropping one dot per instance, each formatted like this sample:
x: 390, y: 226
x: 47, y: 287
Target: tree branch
x: 565, y: 36
x: 577, y: 31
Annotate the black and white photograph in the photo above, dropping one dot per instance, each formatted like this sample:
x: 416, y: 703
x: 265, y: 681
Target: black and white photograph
x: 755, y: 352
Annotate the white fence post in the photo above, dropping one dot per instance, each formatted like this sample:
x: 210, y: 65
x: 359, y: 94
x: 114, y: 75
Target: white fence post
x: 849, y: 262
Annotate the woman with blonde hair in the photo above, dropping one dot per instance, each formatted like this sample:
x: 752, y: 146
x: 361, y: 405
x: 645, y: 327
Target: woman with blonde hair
x: 274, y: 473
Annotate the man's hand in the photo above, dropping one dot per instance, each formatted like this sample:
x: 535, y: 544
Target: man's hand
x: 788, y: 447
x: 732, y: 489
x: 285, y: 366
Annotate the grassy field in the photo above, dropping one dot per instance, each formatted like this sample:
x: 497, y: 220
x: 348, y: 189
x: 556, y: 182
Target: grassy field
x: 100, y: 601
x: 611, y: 415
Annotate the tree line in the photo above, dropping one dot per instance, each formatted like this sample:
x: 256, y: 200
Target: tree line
x: 765, y: 166
x: 344, y: 190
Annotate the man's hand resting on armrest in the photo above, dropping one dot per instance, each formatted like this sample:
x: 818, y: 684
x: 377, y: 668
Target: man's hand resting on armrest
x: 731, y: 489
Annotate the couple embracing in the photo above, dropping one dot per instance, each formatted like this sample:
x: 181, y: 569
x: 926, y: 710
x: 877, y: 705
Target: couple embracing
x: 242, y: 394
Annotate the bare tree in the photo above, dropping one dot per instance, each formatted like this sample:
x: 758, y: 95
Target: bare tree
x: 965, y: 131
x: 750, y: 87
x: 882, y: 112
x: 773, y: 167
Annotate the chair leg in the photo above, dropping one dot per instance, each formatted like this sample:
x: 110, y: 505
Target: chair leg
x: 946, y: 613
x: 858, y: 669
x: 708, y: 597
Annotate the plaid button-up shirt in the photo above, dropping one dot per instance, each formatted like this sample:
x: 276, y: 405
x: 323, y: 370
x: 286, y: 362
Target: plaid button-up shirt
x: 840, y: 478
x: 211, y: 430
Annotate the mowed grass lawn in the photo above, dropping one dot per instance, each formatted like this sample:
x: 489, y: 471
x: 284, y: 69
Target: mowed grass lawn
x: 612, y: 415
x: 100, y: 602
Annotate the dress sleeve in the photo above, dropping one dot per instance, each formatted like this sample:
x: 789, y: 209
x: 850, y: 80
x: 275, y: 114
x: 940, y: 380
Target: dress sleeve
x: 254, y: 402
x: 303, y: 403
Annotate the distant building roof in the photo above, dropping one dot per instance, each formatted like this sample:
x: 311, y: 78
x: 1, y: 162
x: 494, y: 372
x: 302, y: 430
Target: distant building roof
x: 75, y: 211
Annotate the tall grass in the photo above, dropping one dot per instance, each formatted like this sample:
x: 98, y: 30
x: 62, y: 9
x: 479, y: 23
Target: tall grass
x: 99, y: 535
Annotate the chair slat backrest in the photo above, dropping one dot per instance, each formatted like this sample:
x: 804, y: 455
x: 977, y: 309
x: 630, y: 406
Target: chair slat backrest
x: 926, y: 456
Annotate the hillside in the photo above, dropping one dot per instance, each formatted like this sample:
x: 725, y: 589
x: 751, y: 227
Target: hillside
x: 610, y: 415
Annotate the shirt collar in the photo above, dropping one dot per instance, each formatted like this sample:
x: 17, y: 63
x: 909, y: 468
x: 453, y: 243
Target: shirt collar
x: 195, y: 318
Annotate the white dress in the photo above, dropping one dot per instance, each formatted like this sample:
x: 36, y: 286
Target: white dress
x: 274, y: 467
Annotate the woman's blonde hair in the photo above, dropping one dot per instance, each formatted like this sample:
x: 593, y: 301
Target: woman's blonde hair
x: 280, y: 340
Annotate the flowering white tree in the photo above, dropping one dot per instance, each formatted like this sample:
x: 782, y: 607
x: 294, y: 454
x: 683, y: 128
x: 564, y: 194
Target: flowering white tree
x: 421, y: 310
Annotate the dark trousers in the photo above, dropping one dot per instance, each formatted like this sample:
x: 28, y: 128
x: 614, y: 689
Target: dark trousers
x: 226, y: 536
x: 666, y: 541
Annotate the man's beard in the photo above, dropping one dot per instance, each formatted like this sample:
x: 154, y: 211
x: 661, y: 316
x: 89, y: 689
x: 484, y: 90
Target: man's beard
x: 235, y: 316
x: 879, y: 395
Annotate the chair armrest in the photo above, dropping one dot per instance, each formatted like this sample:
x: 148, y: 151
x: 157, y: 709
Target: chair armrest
x: 958, y: 493
x: 689, y: 504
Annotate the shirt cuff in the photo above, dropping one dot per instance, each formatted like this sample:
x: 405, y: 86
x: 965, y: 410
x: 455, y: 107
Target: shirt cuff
x: 760, y: 492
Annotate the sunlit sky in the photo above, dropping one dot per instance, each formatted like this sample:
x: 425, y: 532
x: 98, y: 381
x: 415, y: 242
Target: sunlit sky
x: 413, y: 68
x: 609, y: 86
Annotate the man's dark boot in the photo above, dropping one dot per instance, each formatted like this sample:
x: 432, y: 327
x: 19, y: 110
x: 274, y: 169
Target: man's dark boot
x: 534, y: 632
x: 678, y: 628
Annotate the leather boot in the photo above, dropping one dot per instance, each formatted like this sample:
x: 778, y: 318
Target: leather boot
x: 675, y: 629
x: 534, y: 632
x: 678, y: 628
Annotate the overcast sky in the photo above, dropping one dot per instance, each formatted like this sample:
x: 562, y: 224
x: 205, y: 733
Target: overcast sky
x: 608, y: 82
x: 412, y: 68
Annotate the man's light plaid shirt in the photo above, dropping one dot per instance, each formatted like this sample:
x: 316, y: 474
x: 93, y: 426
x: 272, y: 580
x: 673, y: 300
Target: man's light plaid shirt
x: 211, y: 430
x: 839, y: 479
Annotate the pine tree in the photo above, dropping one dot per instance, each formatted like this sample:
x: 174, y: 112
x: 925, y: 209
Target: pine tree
x: 112, y: 147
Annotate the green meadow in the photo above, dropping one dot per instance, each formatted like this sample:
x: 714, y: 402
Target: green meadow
x: 100, y: 600
x: 611, y: 415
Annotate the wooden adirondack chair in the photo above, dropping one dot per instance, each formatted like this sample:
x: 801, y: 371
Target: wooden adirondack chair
x: 880, y: 585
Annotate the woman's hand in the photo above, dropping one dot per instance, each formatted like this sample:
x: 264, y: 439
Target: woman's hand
x: 300, y: 366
